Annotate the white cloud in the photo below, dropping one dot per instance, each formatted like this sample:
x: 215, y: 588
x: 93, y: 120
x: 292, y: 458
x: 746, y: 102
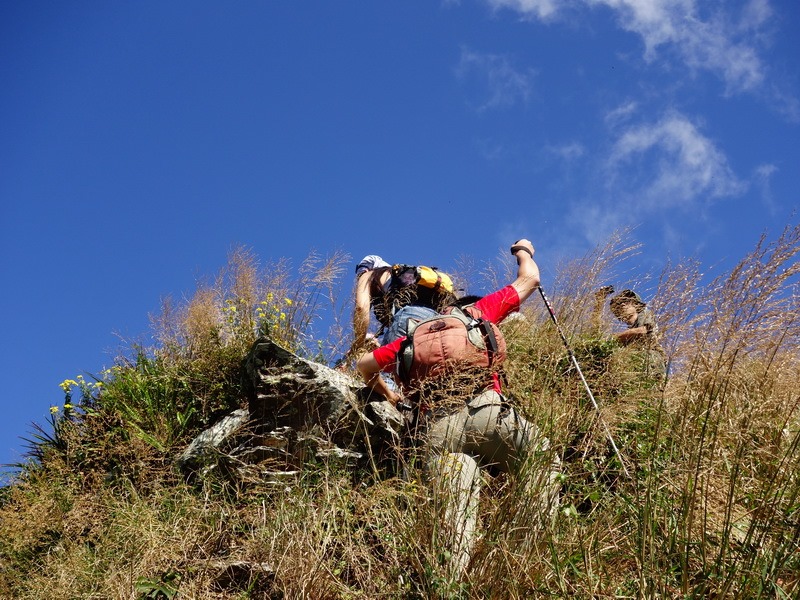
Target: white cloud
x: 656, y: 21
x: 655, y: 171
x: 763, y: 176
x: 670, y: 163
x: 502, y: 84
x: 755, y: 14
x: 490, y: 149
x: 712, y: 44
x: 569, y: 151
x: 541, y: 9
x: 785, y: 103
x: 621, y: 113
x: 598, y: 221
x: 764, y: 172
x: 717, y: 42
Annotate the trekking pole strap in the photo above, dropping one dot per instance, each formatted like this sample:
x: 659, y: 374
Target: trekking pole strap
x: 515, y: 249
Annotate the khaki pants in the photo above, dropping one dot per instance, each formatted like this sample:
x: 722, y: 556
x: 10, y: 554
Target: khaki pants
x: 488, y: 433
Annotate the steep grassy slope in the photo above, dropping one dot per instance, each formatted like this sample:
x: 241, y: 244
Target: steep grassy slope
x: 711, y: 509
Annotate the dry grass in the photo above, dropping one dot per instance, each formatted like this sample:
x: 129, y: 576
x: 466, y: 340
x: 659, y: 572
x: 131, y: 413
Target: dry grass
x: 246, y: 300
x: 711, y: 509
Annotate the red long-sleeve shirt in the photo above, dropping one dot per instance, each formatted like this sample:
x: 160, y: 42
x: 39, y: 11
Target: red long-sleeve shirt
x: 495, y: 307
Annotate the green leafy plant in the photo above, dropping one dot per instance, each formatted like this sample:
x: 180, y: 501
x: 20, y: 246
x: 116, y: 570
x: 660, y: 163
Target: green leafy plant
x: 164, y: 587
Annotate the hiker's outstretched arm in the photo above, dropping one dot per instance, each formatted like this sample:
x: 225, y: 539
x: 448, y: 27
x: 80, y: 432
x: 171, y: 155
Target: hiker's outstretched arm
x: 360, y: 315
x: 528, y: 271
x: 371, y: 372
x: 631, y: 335
x: 361, y: 312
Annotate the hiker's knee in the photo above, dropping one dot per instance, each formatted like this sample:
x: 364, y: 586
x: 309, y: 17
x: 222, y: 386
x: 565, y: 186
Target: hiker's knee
x: 454, y: 472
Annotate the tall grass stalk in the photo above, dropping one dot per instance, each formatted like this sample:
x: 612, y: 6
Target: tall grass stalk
x: 712, y: 509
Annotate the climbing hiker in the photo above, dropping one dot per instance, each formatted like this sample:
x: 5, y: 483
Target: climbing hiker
x: 394, y: 294
x: 447, y: 367
x: 642, y: 331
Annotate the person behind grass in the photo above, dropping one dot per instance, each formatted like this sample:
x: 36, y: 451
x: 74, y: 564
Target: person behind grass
x: 372, y: 293
x: 470, y: 424
x: 642, y: 331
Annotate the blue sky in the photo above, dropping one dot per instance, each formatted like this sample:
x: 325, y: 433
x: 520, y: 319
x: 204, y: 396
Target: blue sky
x: 141, y: 141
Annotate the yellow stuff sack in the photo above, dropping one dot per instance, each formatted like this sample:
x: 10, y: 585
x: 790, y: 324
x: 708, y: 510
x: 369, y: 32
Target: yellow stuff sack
x: 420, y: 286
x: 429, y: 277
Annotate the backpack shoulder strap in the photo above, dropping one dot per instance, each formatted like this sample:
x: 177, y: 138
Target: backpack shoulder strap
x: 486, y: 328
x: 461, y: 314
x: 405, y: 357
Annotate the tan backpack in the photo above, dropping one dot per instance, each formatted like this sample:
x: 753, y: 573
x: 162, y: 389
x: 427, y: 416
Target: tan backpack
x: 457, y: 339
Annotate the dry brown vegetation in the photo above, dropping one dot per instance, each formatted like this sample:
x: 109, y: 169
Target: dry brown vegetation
x: 711, y: 510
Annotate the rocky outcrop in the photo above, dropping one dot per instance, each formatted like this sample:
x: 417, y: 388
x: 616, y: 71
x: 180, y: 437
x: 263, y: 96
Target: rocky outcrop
x: 286, y: 390
x: 298, y: 410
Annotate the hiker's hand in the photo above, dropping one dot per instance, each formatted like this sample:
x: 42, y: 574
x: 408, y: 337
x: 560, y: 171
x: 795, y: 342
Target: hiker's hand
x: 371, y: 343
x: 522, y: 245
x: 604, y: 291
x: 394, y: 398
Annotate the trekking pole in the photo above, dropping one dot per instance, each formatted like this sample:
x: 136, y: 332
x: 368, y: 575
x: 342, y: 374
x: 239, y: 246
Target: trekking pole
x: 583, y: 379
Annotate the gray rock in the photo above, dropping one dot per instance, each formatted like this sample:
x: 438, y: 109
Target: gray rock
x: 205, y: 448
x: 297, y: 409
x: 286, y: 390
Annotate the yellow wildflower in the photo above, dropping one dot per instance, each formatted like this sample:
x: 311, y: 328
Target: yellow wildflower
x: 283, y: 316
x: 53, y: 410
x: 288, y: 301
x: 67, y: 384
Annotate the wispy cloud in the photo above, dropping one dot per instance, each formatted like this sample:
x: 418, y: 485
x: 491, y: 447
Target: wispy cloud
x: 501, y: 84
x: 540, y: 9
x: 656, y: 170
x: 785, y: 103
x: 715, y: 44
x: 489, y: 149
x: 722, y: 42
x: 621, y: 113
x: 597, y: 222
x: 569, y: 151
x: 762, y: 177
x: 673, y: 162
